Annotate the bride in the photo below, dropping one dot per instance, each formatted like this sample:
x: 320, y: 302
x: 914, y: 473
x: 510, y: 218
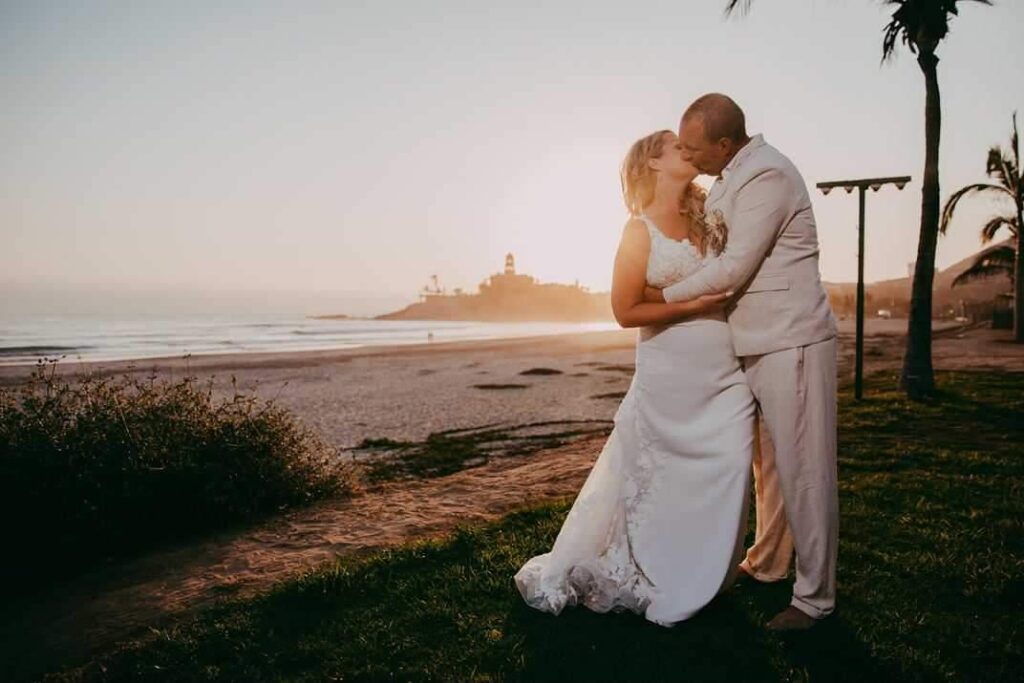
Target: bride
x: 658, y: 526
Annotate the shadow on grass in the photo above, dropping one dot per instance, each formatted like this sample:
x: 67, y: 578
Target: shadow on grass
x: 721, y: 643
x: 726, y: 641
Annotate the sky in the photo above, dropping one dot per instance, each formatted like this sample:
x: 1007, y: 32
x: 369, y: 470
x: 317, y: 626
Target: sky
x: 357, y: 148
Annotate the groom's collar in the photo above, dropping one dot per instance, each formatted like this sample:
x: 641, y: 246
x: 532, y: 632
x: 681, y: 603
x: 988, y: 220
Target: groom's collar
x: 744, y: 151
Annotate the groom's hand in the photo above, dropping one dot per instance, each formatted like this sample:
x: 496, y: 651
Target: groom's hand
x: 653, y: 295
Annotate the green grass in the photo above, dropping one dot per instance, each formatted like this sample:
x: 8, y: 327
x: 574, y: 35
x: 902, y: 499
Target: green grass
x: 930, y: 584
x: 453, y: 450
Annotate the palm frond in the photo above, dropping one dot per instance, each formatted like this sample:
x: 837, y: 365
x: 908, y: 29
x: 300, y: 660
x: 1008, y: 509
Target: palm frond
x: 996, y: 260
x: 951, y: 203
x: 1016, y: 165
x: 1014, y: 144
x: 952, y: 9
x: 982, y: 2
x: 895, y: 31
x: 1000, y: 166
x: 1013, y: 172
x: 980, y: 272
x: 919, y: 24
x: 1005, y: 165
x: 741, y: 6
x: 992, y: 227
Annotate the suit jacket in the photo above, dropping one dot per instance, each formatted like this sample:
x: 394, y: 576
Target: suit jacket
x: 771, y: 256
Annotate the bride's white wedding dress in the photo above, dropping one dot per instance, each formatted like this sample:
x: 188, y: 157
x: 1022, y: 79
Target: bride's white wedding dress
x: 658, y: 526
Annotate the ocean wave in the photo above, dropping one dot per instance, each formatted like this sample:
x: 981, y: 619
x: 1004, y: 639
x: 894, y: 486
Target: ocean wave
x: 37, y: 350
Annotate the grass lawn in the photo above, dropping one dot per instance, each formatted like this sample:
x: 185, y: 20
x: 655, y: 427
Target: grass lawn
x: 930, y: 583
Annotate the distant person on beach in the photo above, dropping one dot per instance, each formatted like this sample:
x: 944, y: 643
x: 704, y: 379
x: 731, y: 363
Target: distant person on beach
x: 734, y: 321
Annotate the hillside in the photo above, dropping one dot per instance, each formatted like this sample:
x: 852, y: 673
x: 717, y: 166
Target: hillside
x: 975, y: 298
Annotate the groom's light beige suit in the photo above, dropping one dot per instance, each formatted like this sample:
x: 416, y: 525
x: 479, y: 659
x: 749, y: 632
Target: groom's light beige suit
x: 784, y: 332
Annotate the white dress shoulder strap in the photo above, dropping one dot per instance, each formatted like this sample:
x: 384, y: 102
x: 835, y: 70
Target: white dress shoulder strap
x: 651, y: 227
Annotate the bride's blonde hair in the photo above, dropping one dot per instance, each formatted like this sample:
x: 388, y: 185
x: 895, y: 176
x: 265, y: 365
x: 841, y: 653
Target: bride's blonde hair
x: 639, y: 179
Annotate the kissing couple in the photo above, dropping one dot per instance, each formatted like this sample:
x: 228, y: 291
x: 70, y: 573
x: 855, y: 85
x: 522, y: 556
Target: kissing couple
x: 735, y: 379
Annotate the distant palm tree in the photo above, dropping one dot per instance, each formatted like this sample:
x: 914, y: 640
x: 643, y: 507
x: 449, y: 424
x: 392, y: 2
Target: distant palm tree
x: 997, y: 260
x: 741, y: 5
x: 1003, y: 166
x: 920, y: 25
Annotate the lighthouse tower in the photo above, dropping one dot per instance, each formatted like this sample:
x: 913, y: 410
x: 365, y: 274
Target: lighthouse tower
x: 510, y: 264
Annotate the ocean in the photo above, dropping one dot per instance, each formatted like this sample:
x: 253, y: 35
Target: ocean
x: 106, y: 338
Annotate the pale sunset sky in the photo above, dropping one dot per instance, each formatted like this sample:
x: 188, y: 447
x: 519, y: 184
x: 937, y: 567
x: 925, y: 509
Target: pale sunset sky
x: 361, y: 147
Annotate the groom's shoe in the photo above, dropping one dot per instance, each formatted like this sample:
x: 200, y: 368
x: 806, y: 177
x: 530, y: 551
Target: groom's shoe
x: 791, y: 619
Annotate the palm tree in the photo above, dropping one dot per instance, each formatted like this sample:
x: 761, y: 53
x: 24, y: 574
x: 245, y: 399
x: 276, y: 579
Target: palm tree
x: 920, y: 25
x: 1002, y: 166
x: 997, y: 260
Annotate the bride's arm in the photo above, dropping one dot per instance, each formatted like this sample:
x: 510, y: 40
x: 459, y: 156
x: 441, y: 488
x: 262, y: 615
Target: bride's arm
x: 630, y: 277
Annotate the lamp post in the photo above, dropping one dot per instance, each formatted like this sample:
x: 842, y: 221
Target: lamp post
x: 862, y: 185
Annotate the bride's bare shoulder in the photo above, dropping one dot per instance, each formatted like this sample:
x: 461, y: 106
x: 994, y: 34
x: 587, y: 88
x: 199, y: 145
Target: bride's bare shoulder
x: 635, y: 240
x: 635, y: 230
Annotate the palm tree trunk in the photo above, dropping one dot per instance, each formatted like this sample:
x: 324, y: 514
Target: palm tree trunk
x: 1018, y: 280
x: 918, y: 377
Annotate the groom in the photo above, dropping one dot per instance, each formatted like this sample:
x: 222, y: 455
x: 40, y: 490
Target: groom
x: 785, y: 336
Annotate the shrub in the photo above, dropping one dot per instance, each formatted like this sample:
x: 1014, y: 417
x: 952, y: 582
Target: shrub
x: 111, y: 466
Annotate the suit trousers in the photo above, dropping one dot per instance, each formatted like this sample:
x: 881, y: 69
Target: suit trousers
x: 768, y: 560
x: 796, y: 472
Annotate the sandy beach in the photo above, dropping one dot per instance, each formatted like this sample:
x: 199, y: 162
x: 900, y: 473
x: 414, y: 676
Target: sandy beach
x: 407, y: 393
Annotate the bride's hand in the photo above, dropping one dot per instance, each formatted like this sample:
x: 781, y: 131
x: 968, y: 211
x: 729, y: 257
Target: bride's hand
x: 712, y: 302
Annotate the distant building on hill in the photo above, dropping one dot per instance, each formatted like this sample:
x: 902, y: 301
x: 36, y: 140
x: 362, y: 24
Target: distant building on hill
x: 508, y: 296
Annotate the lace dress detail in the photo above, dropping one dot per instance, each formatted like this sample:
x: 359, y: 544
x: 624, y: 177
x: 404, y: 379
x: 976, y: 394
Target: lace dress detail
x: 592, y: 562
x: 669, y: 260
x: 657, y: 525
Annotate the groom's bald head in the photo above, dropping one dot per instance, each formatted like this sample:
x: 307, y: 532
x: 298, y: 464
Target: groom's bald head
x: 711, y: 131
x: 721, y: 116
